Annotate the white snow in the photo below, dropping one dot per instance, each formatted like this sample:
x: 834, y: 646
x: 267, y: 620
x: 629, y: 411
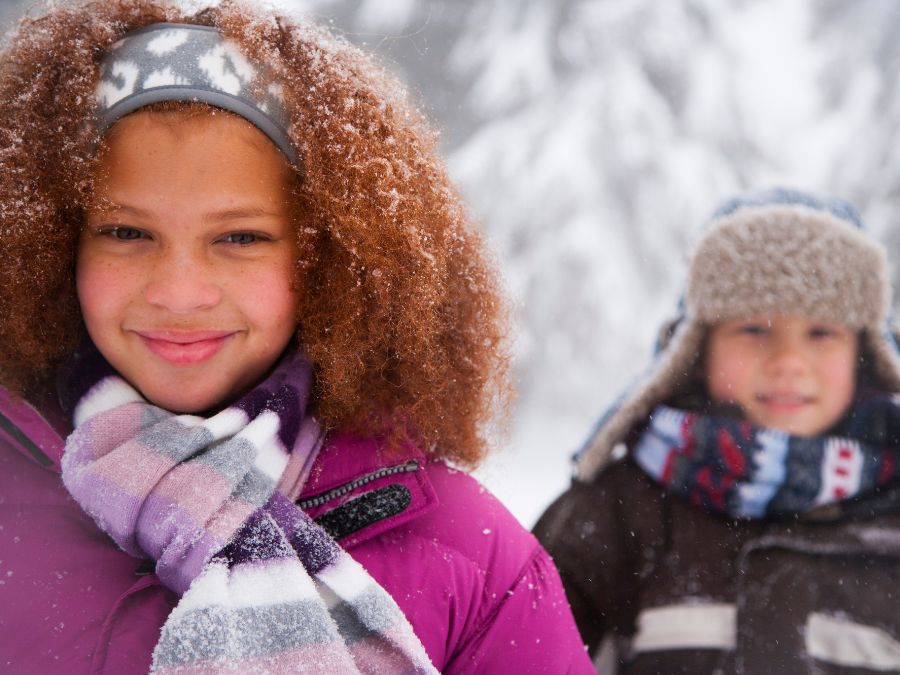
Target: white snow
x: 592, y: 140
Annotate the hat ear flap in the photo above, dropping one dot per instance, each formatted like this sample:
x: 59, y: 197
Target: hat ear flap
x: 893, y: 334
x: 666, y: 331
x: 880, y: 351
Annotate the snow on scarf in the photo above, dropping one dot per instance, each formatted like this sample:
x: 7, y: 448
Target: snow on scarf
x: 731, y: 467
x: 264, y: 588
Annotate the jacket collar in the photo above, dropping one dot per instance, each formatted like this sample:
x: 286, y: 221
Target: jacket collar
x: 30, y: 432
x: 360, y: 488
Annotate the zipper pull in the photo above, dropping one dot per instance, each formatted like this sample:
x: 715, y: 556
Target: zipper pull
x: 146, y: 568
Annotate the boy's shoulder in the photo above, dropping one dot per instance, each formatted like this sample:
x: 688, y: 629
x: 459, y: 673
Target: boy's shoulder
x: 619, y: 500
x: 620, y: 482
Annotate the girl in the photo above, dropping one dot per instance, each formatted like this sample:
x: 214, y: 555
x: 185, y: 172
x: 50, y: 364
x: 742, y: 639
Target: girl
x: 246, y: 323
x: 752, y: 523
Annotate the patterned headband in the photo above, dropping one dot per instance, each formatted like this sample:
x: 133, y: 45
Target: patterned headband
x: 186, y: 62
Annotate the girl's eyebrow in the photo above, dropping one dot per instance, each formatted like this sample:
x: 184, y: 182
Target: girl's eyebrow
x: 109, y: 206
x: 236, y: 213
x: 239, y: 213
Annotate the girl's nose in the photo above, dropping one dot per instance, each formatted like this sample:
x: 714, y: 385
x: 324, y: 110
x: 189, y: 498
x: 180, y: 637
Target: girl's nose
x: 181, y: 284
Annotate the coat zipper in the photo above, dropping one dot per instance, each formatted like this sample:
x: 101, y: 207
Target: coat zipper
x: 406, y: 467
x: 18, y: 435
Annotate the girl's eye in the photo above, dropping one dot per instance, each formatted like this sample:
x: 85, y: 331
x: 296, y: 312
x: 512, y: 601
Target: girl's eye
x: 122, y: 233
x: 241, y: 238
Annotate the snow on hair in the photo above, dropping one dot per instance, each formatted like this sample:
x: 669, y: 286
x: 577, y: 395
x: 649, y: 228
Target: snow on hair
x: 401, y: 311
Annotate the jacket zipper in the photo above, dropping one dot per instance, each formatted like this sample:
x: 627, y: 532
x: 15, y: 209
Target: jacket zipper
x: 407, y: 467
x: 18, y: 435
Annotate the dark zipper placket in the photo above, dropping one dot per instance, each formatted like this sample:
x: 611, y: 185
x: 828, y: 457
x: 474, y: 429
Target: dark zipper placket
x: 407, y: 467
x: 18, y: 435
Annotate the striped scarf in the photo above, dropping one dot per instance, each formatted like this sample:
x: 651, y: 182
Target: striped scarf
x: 263, y: 588
x: 730, y: 467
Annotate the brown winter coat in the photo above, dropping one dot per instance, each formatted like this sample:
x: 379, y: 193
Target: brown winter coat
x: 648, y: 575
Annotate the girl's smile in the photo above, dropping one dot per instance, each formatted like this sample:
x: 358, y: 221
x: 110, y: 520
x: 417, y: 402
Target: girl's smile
x: 185, y: 266
x: 185, y: 347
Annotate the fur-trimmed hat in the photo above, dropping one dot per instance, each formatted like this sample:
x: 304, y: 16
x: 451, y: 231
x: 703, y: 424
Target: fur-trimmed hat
x: 779, y: 251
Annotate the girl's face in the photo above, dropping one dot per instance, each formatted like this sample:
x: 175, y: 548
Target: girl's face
x: 185, y: 265
x: 786, y: 372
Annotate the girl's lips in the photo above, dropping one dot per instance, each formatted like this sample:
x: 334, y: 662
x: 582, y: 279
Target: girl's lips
x: 185, y: 348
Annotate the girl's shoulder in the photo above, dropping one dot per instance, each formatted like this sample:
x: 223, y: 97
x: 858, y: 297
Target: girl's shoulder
x: 457, y: 562
x: 359, y: 490
x: 473, y: 522
x: 484, y: 586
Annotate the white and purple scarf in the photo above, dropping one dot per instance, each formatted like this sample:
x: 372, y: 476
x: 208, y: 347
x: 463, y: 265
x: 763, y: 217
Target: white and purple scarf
x: 263, y: 588
x: 731, y: 467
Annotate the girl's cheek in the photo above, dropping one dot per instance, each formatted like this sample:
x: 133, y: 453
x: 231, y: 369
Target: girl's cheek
x: 101, y: 283
x: 86, y: 280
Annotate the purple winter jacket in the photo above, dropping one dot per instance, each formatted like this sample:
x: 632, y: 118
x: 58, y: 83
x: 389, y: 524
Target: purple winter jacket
x: 479, y: 591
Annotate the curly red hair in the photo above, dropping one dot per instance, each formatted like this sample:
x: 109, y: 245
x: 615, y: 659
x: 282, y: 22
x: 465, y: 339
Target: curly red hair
x: 400, y: 310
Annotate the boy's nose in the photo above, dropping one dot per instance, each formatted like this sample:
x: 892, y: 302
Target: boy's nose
x: 181, y: 284
x: 787, y: 358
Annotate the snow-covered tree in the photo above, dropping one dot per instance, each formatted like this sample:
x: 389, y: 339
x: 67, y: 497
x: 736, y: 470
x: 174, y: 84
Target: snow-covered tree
x: 593, y: 137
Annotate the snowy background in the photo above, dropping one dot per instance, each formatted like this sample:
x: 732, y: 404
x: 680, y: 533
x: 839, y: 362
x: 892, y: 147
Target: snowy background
x: 592, y: 138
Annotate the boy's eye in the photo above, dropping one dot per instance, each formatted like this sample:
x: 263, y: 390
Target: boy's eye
x: 755, y: 329
x: 819, y: 332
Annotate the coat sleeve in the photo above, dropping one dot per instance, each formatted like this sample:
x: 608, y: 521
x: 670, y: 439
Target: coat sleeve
x: 599, y: 535
x: 529, y: 631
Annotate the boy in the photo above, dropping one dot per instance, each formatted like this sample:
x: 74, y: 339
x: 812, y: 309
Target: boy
x: 752, y: 524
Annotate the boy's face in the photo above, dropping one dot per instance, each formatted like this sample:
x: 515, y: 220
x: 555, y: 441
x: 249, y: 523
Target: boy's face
x: 786, y: 372
x: 185, y: 266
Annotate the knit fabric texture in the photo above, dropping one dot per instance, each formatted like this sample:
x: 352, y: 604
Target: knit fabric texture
x: 774, y: 252
x: 186, y: 62
x: 733, y: 468
x: 265, y: 589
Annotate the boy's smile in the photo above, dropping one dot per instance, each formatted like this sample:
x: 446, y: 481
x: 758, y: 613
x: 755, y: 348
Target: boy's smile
x: 785, y: 372
x: 185, y: 265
